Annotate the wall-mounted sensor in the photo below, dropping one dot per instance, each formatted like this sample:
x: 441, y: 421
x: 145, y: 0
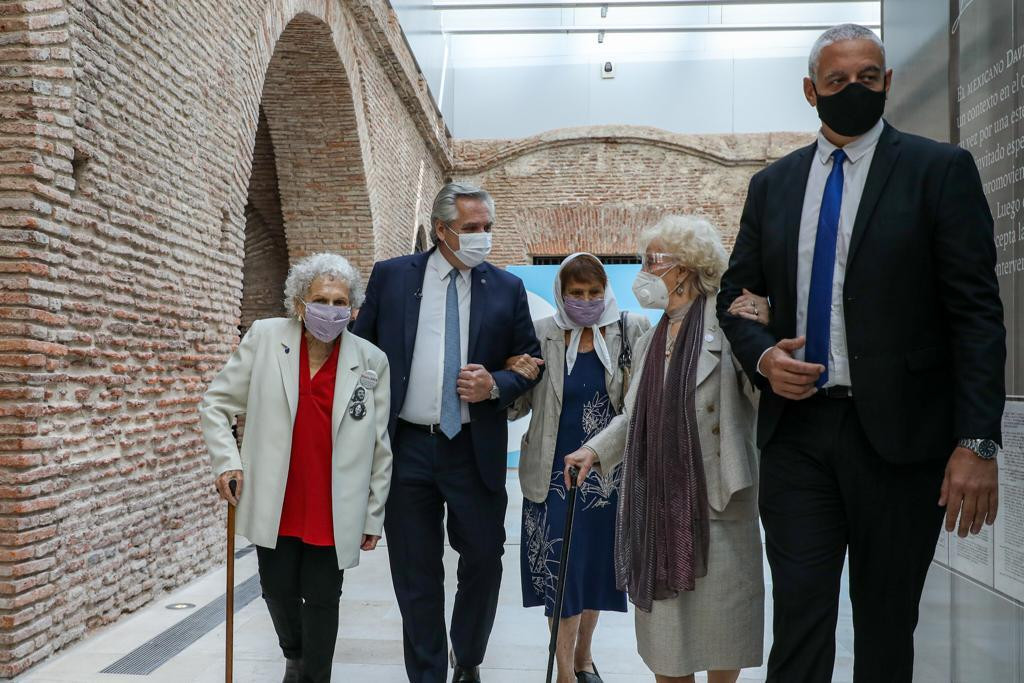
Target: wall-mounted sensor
x: 607, y: 70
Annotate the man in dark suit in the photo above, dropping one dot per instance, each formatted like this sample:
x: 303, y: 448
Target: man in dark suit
x: 447, y: 321
x: 881, y: 371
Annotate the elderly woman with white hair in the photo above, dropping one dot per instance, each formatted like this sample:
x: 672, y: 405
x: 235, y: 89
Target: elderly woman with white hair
x: 687, y: 543
x: 315, y: 458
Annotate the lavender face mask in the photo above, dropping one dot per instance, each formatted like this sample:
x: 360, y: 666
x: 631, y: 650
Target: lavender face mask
x: 584, y: 313
x: 325, y: 322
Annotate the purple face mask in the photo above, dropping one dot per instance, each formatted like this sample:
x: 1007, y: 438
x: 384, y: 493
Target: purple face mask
x: 326, y: 322
x: 584, y: 313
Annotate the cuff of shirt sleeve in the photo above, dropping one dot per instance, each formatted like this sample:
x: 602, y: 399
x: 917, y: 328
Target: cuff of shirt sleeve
x: 761, y: 358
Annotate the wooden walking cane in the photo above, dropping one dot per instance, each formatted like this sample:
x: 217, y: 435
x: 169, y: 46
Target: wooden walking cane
x: 563, y: 564
x: 229, y: 635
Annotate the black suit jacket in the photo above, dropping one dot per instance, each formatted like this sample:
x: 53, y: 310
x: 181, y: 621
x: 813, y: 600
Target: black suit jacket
x: 924, y: 321
x: 500, y: 326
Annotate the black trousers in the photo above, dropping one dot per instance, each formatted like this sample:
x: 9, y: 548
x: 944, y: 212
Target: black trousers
x: 431, y: 474
x: 302, y: 587
x: 824, y: 491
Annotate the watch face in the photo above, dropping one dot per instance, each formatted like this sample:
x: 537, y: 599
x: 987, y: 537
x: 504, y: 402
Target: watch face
x: 987, y: 449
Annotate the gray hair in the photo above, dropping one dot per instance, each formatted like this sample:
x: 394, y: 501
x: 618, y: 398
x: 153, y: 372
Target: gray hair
x: 304, y: 272
x: 695, y: 243
x: 838, y: 34
x: 444, y: 208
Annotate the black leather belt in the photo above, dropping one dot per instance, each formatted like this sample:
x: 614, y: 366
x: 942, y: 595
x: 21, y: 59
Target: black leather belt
x: 835, y: 392
x: 429, y: 429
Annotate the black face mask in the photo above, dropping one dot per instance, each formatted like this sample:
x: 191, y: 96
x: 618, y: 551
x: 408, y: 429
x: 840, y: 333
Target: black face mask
x: 852, y: 111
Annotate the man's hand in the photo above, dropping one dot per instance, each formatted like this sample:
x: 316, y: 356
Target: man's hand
x: 474, y: 384
x: 369, y: 542
x: 970, y: 490
x: 789, y: 377
x: 224, y: 489
x: 525, y: 365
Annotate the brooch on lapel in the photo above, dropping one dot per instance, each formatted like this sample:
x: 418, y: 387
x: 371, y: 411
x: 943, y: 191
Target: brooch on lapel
x: 368, y: 379
x: 286, y: 349
x: 358, y: 408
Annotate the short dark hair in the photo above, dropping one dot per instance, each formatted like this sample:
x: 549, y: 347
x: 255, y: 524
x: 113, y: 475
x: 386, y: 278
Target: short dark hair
x: 583, y: 268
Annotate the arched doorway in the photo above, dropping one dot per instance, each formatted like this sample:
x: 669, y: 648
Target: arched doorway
x: 307, y: 188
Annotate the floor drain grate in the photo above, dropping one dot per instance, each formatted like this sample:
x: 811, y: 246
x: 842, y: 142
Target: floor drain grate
x: 150, y: 656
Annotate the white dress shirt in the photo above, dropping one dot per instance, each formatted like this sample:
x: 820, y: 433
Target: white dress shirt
x: 423, y: 397
x: 859, y: 154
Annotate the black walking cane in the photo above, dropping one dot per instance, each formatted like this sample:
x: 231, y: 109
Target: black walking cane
x: 229, y: 634
x: 563, y: 564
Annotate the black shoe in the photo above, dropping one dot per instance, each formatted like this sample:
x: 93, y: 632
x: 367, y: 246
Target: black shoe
x: 587, y: 677
x: 466, y: 674
x: 292, y: 671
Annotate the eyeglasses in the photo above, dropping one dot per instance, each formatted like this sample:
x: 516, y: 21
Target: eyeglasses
x: 656, y: 260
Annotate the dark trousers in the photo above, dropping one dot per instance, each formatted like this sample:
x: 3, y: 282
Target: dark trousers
x: 824, y: 491
x: 302, y: 586
x: 431, y: 474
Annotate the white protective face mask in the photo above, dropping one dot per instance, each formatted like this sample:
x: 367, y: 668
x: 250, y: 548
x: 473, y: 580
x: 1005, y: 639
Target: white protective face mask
x: 474, y: 248
x: 650, y: 291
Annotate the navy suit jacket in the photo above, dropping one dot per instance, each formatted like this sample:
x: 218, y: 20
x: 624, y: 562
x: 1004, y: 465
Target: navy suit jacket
x: 500, y: 326
x: 924, y: 321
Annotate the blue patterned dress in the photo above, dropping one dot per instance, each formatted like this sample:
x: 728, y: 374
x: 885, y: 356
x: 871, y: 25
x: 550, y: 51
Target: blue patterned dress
x: 590, y: 580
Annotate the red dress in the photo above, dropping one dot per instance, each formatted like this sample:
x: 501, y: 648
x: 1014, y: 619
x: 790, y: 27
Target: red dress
x: 307, y: 513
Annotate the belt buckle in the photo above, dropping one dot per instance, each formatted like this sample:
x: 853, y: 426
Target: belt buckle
x: 432, y: 429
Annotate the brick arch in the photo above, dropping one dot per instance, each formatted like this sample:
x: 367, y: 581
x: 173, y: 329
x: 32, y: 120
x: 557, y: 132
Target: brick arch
x: 314, y: 126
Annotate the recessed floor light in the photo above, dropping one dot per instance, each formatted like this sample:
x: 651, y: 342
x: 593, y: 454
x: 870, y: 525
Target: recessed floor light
x: 180, y: 605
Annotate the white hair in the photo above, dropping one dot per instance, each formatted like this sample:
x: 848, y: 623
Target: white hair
x: 697, y: 245
x: 304, y: 272
x: 445, y: 210
x: 837, y: 34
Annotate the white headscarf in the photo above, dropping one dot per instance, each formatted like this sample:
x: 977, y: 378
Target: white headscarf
x: 562, y: 319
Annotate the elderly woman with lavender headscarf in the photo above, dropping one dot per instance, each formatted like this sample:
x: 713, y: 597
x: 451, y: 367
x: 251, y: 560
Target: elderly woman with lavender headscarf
x: 687, y: 543
x: 315, y: 458
x: 581, y: 345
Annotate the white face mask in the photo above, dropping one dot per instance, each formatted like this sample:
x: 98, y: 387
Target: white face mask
x: 650, y: 291
x: 474, y: 248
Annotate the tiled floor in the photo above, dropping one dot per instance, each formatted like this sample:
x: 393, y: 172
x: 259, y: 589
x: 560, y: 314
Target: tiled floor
x: 369, y: 648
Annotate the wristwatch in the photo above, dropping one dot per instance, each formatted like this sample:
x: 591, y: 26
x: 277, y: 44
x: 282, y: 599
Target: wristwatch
x: 495, y: 392
x: 986, y: 449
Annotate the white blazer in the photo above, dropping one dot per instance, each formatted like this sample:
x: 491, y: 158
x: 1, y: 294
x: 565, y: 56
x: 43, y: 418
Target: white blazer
x: 261, y: 380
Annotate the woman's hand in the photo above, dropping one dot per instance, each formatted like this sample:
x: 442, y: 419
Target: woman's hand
x: 369, y: 542
x: 525, y: 365
x: 224, y: 489
x: 752, y: 307
x: 583, y: 460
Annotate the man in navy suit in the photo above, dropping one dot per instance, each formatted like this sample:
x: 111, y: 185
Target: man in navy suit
x: 881, y: 373
x: 447, y: 321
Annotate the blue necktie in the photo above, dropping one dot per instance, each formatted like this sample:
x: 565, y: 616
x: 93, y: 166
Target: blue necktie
x: 451, y: 406
x: 819, y: 300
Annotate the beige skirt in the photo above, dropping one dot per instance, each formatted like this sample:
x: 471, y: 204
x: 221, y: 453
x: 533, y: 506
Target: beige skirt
x: 720, y: 624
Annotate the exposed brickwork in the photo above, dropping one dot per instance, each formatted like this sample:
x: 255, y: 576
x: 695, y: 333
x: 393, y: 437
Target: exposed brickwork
x: 126, y: 143
x: 596, y: 188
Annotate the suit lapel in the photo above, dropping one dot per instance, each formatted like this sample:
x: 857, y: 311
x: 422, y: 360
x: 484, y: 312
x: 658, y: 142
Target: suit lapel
x: 288, y: 361
x: 477, y: 307
x: 345, y: 382
x: 413, y: 294
x: 886, y: 153
x: 794, y: 205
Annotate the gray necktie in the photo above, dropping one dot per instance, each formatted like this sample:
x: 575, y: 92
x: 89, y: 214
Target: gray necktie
x: 451, y: 408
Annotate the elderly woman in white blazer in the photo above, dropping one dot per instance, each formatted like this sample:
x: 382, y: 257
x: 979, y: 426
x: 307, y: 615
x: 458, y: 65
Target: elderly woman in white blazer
x: 314, y: 469
x: 688, y: 545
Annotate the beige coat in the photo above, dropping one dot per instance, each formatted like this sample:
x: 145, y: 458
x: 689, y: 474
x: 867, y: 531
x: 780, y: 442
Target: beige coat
x: 725, y: 423
x: 261, y: 380
x: 538, y: 446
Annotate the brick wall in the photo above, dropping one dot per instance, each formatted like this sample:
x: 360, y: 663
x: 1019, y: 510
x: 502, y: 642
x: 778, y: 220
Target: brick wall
x: 595, y: 188
x: 127, y: 136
